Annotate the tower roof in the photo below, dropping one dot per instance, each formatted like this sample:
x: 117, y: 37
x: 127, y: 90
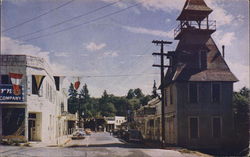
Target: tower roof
x: 194, y: 10
x: 217, y: 69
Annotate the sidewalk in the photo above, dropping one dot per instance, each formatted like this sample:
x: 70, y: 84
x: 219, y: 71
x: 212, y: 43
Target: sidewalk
x: 184, y: 151
x: 61, y: 141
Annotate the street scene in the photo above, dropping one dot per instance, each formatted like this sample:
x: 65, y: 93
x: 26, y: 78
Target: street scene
x: 124, y: 78
x: 96, y: 145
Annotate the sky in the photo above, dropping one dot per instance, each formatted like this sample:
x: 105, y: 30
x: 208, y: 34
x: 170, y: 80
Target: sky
x: 108, y: 43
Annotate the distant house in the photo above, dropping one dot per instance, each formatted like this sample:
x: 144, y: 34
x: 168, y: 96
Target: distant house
x: 114, y: 122
x: 37, y: 108
x: 199, y: 85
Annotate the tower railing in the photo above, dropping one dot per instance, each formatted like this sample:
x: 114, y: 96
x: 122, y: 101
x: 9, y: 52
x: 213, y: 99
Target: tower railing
x: 193, y: 25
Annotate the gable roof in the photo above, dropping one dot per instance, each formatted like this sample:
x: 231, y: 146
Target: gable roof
x: 185, y: 70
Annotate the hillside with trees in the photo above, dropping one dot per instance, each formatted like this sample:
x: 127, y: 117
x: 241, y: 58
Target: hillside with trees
x: 108, y: 104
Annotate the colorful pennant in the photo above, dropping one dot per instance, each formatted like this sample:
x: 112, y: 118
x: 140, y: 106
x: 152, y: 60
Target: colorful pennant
x: 16, y: 81
x: 77, y: 83
x: 39, y: 80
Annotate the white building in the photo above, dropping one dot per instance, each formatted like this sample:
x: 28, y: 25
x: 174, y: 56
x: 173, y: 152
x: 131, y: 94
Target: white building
x: 39, y: 114
x: 114, y: 122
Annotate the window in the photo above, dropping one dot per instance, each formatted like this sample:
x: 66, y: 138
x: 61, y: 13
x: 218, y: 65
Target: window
x: 216, y: 127
x: 151, y: 123
x: 193, y: 94
x: 215, y: 92
x: 34, y: 86
x: 5, y: 79
x: 32, y: 115
x: 193, y: 127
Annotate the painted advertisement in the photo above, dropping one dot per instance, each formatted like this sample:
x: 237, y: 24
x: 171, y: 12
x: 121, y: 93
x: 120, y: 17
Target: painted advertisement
x: 7, y: 94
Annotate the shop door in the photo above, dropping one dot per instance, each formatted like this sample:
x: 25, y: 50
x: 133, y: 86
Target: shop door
x: 32, y: 129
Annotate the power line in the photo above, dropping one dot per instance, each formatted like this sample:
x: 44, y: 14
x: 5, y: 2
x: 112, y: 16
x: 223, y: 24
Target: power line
x: 125, y: 75
x: 36, y: 17
x: 68, y: 20
x: 91, y: 21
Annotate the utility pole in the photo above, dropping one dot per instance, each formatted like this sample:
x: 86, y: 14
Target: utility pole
x: 162, y: 66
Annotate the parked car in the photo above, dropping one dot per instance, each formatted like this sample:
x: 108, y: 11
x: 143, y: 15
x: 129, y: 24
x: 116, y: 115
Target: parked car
x: 88, y: 131
x: 134, y: 136
x: 78, y: 134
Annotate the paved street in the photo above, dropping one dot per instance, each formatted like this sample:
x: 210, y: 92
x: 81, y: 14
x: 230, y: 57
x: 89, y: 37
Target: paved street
x: 96, y: 145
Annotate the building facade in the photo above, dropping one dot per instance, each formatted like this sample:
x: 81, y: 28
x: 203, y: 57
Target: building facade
x: 39, y: 111
x: 198, y: 85
x: 148, y: 120
x: 114, y: 122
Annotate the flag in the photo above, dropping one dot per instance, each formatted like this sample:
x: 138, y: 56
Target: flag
x: 59, y: 81
x: 77, y: 84
x: 16, y: 81
x: 39, y: 80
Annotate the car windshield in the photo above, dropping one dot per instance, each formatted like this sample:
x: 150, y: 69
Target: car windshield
x: 134, y: 133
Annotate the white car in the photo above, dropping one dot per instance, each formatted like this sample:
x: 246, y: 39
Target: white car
x: 78, y: 134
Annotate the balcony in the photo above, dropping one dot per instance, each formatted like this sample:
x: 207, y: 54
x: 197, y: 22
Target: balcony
x: 204, y: 26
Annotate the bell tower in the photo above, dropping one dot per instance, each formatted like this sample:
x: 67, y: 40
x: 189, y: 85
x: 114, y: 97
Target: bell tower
x: 194, y: 19
x: 198, y: 84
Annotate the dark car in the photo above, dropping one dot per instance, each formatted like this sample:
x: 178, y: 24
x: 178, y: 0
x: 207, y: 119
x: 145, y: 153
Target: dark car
x: 134, y: 136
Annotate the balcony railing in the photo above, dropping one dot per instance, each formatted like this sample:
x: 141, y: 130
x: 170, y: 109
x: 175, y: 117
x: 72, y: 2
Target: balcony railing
x: 193, y: 25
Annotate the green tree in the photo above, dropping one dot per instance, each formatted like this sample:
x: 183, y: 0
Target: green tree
x: 130, y: 94
x: 144, y: 100
x: 85, y: 102
x: 106, y: 106
x: 109, y: 110
x: 241, y: 101
x: 122, y: 106
x: 72, y: 100
x: 154, y: 92
x: 138, y: 93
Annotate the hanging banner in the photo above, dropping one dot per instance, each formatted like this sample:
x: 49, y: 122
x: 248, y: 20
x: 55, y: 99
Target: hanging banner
x: 77, y: 84
x: 58, y: 81
x: 16, y: 81
x: 39, y: 80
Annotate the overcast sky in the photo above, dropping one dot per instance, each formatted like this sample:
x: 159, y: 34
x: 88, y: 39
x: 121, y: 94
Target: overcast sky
x: 106, y: 40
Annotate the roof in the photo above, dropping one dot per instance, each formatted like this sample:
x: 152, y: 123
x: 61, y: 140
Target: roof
x: 194, y: 9
x: 185, y: 69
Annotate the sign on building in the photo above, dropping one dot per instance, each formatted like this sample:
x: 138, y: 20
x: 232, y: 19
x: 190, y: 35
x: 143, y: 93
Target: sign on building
x: 7, y: 94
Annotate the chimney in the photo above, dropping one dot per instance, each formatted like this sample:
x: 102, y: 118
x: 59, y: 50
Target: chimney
x: 223, y: 51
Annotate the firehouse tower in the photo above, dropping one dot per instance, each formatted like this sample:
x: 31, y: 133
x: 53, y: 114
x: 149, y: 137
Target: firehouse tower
x: 198, y: 84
